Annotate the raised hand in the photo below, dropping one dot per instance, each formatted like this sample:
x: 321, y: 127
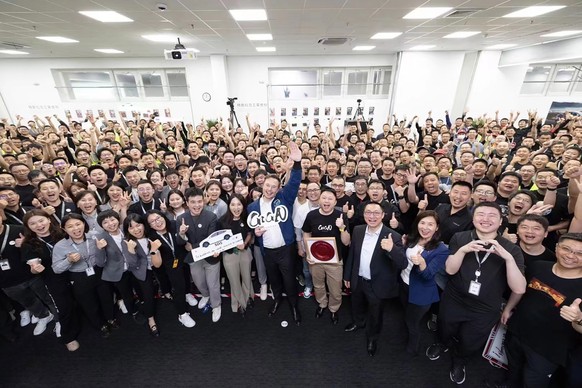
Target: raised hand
x: 183, y: 227
x: 18, y: 241
x: 131, y: 245
x: 101, y: 243
x: 294, y: 152
x: 74, y: 257
x: 163, y: 206
x: 572, y: 313
x: 351, y: 212
x: 393, y: 221
x: 387, y: 244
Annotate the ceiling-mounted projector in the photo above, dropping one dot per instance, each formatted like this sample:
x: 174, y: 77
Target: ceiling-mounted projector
x: 180, y: 52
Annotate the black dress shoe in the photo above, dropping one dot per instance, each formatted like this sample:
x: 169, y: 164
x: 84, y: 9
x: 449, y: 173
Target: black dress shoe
x: 250, y: 304
x: 319, y: 312
x: 372, y: 347
x: 296, y: 315
x: 352, y: 327
x: 334, y: 318
x: 154, y: 331
x: 274, y: 307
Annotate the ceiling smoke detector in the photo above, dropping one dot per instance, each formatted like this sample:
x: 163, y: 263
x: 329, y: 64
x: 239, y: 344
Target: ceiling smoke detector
x: 333, y: 41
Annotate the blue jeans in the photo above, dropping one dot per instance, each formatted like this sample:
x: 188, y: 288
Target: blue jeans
x: 307, y: 275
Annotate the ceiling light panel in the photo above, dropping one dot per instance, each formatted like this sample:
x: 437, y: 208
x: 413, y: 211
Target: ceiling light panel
x: 260, y: 36
x: 106, y: 16
x: 386, y: 35
x: 501, y: 46
x: 13, y: 52
x: 57, y: 39
x: 461, y: 34
x: 427, y: 12
x: 423, y: 47
x: 109, y: 51
x: 534, y: 11
x: 561, y: 34
x: 246, y: 15
x: 266, y: 49
x: 363, y: 48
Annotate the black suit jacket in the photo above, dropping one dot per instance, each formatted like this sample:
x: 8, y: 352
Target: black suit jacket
x: 199, y: 228
x: 385, y: 266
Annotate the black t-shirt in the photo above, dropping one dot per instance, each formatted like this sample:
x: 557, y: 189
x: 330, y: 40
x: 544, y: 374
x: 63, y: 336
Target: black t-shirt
x: 529, y: 260
x: 320, y: 225
x: 26, y: 193
x: 346, y: 199
x: 434, y: 200
x: 453, y: 223
x: 537, y: 320
x: 493, y: 276
x: 238, y: 226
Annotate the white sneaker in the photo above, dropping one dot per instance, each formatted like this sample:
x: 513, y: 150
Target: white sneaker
x: 24, y: 318
x: 41, y: 325
x: 191, y: 300
x: 58, y: 329
x: 122, y: 306
x: 186, y: 320
x: 33, y: 320
x: 203, y: 302
x: 307, y: 293
x: 263, y: 294
x: 216, y: 313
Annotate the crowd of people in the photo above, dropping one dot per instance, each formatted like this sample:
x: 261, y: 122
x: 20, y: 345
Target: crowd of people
x: 468, y: 222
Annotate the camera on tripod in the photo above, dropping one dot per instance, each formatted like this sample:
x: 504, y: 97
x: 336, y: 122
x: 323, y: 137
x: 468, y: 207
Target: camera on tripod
x: 230, y: 101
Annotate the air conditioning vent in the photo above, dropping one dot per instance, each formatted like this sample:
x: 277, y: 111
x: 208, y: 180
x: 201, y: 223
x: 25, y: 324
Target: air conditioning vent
x: 14, y: 45
x: 333, y: 41
x: 461, y: 13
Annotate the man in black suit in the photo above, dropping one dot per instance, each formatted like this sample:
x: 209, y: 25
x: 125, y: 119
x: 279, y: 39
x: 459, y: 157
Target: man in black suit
x: 375, y: 260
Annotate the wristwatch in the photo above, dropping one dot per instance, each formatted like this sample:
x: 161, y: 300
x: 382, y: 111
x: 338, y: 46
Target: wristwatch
x: 399, y: 197
x: 154, y: 252
x: 342, y: 229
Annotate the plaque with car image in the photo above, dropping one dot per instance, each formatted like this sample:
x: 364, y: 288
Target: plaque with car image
x: 219, y: 241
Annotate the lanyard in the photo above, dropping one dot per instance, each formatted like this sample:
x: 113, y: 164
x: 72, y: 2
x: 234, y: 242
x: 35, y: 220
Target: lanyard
x: 49, y: 246
x: 5, y: 239
x: 144, y: 210
x: 62, y: 212
x: 170, y: 242
x: 480, y: 262
x: 15, y: 217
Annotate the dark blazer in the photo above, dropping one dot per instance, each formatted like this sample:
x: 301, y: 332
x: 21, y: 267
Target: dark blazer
x: 423, y: 288
x: 137, y: 262
x: 200, y: 227
x: 385, y: 266
x: 141, y: 209
x: 113, y: 258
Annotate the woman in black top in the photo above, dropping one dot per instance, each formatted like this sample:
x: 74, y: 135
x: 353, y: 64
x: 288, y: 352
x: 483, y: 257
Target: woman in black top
x: 237, y: 261
x: 41, y: 233
x: 172, y: 255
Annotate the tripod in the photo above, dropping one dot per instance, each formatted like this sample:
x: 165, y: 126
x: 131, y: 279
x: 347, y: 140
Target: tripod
x: 233, y: 116
x: 359, y: 111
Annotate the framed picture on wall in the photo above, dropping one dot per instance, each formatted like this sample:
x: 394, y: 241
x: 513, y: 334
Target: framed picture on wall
x: 167, y: 112
x: 283, y: 112
x: 89, y: 112
x: 316, y: 111
x: 327, y: 111
x: 123, y: 114
x: 272, y: 112
x: 305, y: 111
x: 293, y: 111
x: 67, y: 113
x: 338, y: 111
x: 112, y: 113
x: 79, y: 113
x: 349, y: 111
x: 101, y: 113
x: 371, y: 111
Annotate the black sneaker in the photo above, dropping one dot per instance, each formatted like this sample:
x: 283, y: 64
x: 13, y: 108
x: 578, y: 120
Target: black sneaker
x: 113, y: 324
x: 105, y: 331
x: 434, y: 351
x: 457, y: 374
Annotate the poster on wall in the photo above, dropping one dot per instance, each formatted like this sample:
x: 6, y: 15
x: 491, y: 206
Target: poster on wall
x: 167, y: 112
x: 112, y: 113
x: 305, y: 111
x: 283, y: 112
x: 558, y: 111
x: 101, y: 113
x: 89, y: 112
x: 272, y: 112
x: 338, y: 111
x: 316, y: 111
x: 123, y: 114
x: 349, y: 111
x: 293, y: 112
x: 371, y: 111
x: 327, y: 110
x: 68, y: 113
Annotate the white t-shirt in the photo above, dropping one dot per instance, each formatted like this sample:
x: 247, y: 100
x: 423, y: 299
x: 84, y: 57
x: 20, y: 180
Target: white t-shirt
x: 410, y: 252
x: 273, y: 237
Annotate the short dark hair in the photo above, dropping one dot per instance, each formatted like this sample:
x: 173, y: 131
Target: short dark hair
x: 463, y: 184
x: 543, y: 221
x: 571, y: 236
x: 109, y: 213
x: 489, y: 204
x: 193, y: 192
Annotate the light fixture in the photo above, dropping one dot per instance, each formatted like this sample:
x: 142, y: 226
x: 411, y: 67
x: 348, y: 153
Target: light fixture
x: 266, y: 49
x: 533, y: 11
x: 108, y: 51
x: 57, y: 39
x: 501, y: 46
x: 160, y: 38
x: 260, y: 36
x: 461, y: 34
x: 13, y: 52
x: 427, y: 12
x: 246, y: 15
x: 363, y: 48
x: 106, y: 16
x: 560, y: 34
x: 423, y: 47
x: 386, y: 35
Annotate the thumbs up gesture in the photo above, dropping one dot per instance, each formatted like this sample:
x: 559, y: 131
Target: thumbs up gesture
x: 18, y: 241
x: 101, y: 243
x: 351, y: 211
x: 155, y: 245
x: 183, y: 227
x: 572, y: 313
x: 339, y: 222
x: 387, y: 244
x: 393, y: 221
x: 345, y: 208
x: 131, y: 244
x: 423, y: 203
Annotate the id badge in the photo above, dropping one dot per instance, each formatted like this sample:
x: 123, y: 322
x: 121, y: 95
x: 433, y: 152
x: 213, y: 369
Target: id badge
x: 125, y: 266
x: 175, y: 263
x: 5, y: 265
x: 90, y: 271
x: 474, y: 288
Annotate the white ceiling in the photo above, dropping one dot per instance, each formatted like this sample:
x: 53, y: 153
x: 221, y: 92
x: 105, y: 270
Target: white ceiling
x: 296, y: 25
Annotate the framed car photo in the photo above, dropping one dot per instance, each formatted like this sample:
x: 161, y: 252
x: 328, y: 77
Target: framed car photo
x: 322, y: 250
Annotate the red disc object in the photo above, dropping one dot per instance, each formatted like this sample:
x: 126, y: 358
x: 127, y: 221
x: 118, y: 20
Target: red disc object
x: 322, y: 250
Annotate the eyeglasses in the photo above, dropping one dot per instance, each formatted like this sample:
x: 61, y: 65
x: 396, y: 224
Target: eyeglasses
x: 313, y: 191
x: 374, y: 214
x: 148, y: 190
x: 483, y: 192
x: 338, y: 185
x: 155, y: 220
x: 569, y: 251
